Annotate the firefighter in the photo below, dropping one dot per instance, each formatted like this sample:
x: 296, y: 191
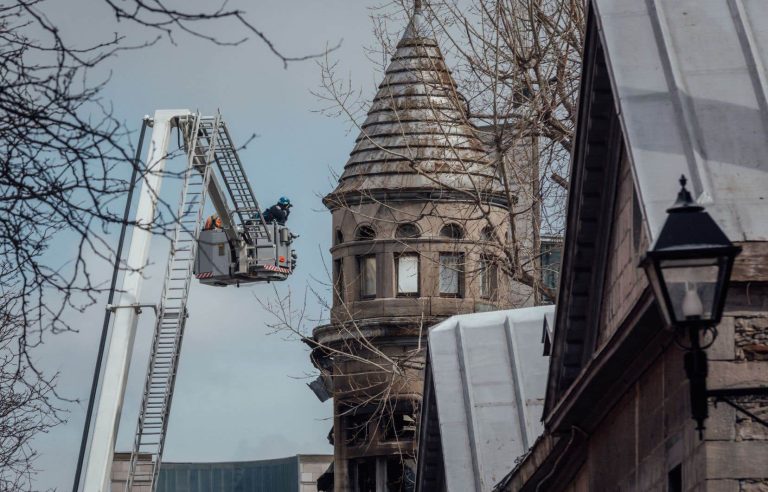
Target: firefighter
x: 278, y: 212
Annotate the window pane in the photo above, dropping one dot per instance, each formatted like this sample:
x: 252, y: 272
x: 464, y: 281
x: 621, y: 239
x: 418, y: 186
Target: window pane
x: 407, y: 231
x: 450, y: 274
x: 691, y: 286
x: 452, y: 231
x: 408, y: 274
x: 493, y: 281
x: 365, y: 233
x: 488, y: 278
x: 368, y: 276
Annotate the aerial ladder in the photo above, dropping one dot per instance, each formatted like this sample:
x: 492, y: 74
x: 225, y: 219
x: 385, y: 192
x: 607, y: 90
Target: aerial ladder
x: 243, y: 249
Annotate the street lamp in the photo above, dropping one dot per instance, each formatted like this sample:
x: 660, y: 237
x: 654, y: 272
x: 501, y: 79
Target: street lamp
x: 689, y: 268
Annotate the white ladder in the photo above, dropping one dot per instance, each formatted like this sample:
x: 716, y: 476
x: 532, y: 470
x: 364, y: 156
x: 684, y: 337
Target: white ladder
x: 200, y: 137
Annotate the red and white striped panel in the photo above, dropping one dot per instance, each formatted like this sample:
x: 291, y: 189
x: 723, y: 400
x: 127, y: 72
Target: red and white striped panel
x: 204, y: 275
x: 277, y: 269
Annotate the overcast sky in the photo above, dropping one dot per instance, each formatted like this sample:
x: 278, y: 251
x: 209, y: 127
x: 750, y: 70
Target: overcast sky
x: 240, y: 392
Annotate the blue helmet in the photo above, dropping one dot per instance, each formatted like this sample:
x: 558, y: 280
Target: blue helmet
x: 284, y: 201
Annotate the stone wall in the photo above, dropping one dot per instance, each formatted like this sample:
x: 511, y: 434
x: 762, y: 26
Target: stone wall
x: 624, y: 280
x: 649, y: 432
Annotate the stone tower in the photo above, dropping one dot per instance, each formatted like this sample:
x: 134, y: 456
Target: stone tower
x: 413, y: 216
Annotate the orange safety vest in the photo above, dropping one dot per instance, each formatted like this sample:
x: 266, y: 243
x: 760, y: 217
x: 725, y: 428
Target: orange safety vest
x: 212, y: 222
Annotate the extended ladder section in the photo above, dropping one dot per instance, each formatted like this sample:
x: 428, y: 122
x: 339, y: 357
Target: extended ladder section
x: 202, y: 135
x: 239, y: 188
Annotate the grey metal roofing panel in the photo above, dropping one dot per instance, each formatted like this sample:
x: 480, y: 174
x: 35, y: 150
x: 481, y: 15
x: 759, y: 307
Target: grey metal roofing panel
x: 690, y: 80
x: 489, y: 379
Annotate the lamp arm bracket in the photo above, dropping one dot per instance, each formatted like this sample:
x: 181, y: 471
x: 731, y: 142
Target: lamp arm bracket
x: 725, y: 396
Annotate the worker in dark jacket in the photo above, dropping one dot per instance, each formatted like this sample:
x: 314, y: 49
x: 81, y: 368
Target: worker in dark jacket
x: 278, y: 212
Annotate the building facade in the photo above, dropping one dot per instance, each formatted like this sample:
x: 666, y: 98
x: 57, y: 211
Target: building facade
x: 415, y: 216
x: 298, y: 473
x: 668, y: 88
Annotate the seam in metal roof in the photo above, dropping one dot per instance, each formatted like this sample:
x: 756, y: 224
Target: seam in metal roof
x: 691, y: 87
x: 489, y: 377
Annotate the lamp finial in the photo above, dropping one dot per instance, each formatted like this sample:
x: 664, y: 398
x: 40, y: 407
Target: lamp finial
x: 684, y: 202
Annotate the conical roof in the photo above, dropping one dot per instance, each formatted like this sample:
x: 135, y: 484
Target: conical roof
x: 417, y: 135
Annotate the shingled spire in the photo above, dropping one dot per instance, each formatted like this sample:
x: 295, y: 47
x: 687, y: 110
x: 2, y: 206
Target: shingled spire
x: 416, y: 134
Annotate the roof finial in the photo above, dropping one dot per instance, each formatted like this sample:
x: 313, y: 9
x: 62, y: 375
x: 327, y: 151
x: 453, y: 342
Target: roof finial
x: 416, y: 25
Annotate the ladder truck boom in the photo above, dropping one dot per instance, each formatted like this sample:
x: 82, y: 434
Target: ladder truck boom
x: 245, y: 249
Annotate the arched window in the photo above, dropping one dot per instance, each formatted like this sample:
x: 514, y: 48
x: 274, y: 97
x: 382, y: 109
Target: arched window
x: 365, y: 233
x: 339, y: 237
x: 407, y: 231
x: 452, y: 231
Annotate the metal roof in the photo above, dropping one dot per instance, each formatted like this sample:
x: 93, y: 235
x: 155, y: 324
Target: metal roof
x: 488, y: 375
x: 417, y: 134
x: 691, y: 87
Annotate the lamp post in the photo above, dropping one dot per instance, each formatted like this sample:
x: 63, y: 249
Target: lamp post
x: 689, y: 269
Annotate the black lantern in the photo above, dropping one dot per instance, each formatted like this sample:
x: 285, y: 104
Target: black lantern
x: 689, y: 266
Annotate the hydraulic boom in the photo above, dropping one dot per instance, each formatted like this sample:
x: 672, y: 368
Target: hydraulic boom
x: 245, y: 248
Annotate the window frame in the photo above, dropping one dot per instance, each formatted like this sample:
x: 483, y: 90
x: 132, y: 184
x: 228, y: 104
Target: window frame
x: 395, y: 427
x: 372, y: 235
x: 488, y: 234
x: 489, y: 264
x: 362, y: 276
x: 338, y: 280
x: 398, y: 256
x: 455, y: 228
x: 403, y: 225
x: 461, y: 272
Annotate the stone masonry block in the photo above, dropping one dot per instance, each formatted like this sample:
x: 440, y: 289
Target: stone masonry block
x: 724, y: 346
x: 722, y: 486
x: 721, y: 424
x: 694, y: 464
x: 751, y: 334
x: 723, y: 374
x: 674, y: 372
x: 753, y: 485
x: 650, y: 431
x: 729, y: 459
x: 651, y: 469
x: 746, y: 427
